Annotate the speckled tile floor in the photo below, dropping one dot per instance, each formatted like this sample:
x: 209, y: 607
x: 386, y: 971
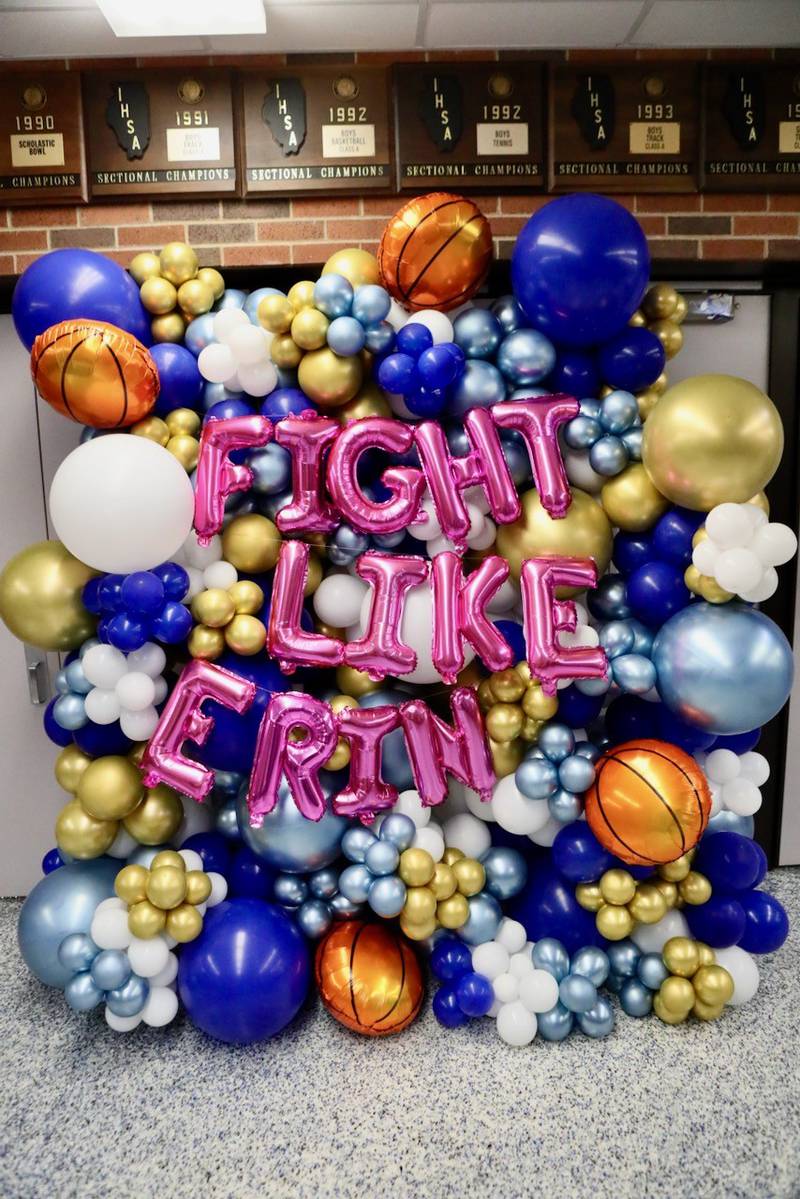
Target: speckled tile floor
x: 697, y: 1111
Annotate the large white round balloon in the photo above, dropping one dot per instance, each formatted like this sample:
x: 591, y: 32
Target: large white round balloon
x: 416, y: 631
x: 121, y: 503
x: 742, y: 969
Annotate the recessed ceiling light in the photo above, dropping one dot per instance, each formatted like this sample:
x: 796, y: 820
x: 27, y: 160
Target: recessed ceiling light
x: 183, y: 18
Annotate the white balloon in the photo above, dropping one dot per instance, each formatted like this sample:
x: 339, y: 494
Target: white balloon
x: 651, y: 938
x: 416, y: 631
x: 150, y: 659
x: 515, y: 1024
x: 102, y: 707
x: 738, y: 570
x: 755, y: 767
x: 104, y: 666
x: 228, y: 321
x: 766, y: 586
x: 494, y: 1009
x: 511, y: 935
x: 485, y: 537
x: 139, y: 726
x: 410, y: 804
x: 506, y: 987
x: 722, y: 765
x: 479, y: 807
x: 338, y: 599
x: 428, y: 529
x: 580, y: 473
x: 112, y: 904
x: 160, y: 1008
x: 774, y: 544
x: 514, y: 812
x: 520, y: 964
x: 220, y: 574
x: 122, y: 1023
x: 191, y: 859
x: 398, y: 406
x: 123, y: 844
x: 216, y: 363
x: 440, y: 545
x: 729, y: 526
x: 397, y: 316
x: 197, y: 818
x: 491, y: 960
x: 538, y: 991
x: 547, y: 834
x: 247, y: 345
x: 136, y: 691
x: 704, y: 557
x: 160, y: 690
x: 431, y: 839
x: 109, y: 928
x: 504, y: 599
x: 121, y: 503
x: 199, y: 555
x: 219, y: 888
x: 148, y: 957
x: 259, y: 379
x: 742, y: 797
x: 440, y: 326
x: 715, y: 791
x: 196, y: 584
x: 478, y: 498
x: 743, y: 970
x: 467, y: 833
x: 168, y: 974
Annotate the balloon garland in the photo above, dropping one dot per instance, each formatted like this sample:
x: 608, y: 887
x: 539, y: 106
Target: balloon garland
x: 327, y: 681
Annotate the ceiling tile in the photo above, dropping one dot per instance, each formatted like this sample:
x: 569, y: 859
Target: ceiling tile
x: 507, y: 24
x: 720, y: 23
x: 320, y: 25
x: 79, y: 34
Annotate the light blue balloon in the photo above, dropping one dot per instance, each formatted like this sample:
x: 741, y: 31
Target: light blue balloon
x: 333, y: 295
x: 586, y: 749
x: 578, y: 994
x: 110, y: 969
x: 355, y: 882
x: 556, y: 1024
x: 550, y: 955
x: 480, y: 386
x: 382, y: 858
x: 69, y: 711
x: 635, y: 998
x: 591, y: 408
x: 82, y: 992
x: 289, y: 890
x: 398, y: 829
x: 287, y: 840
x: 77, y: 952
x: 356, y: 842
x: 623, y: 957
x: 343, y: 908
x: 536, y: 778
x: 395, y: 764
x: 615, y: 982
x: 592, y: 963
x: 729, y: 822
x: 576, y: 773
x: 379, y: 337
x: 324, y: 884
x: 618, y: 411
x: 388, y: 541
x: 582, y: 432
x: 509, y: 314
x: 232, y: 297
x: 642, y: 637
x: 216, y: 393
x: 271, y: 505
x: 252, y: 302
x: 634, y: 673
x: 61, y: 903
x: 346, y: 336
x: 651, y: 971
x: 528, y: 393
x: 526, y: 356
x: 593, y: 686
x: 632, y: 440
x: 725, y: 668
x: 564, y: 806
x: 314, y: 918
x: 228, y: 782
x: 484, y: 919
x: 617, y: 637
x: 371, y: 303
x: 608, y: 456
x: 128, y: 1000
x: 226, y: 820
x: 387, y: 896
x: 506, y: 871
x: 60, y: 683
x: 272, y: 469
x: 478, y: 332
x: 76, y: 679
x: 345, y: 545
x: 87, y: 645
x: 199, y: 333
x: 599, y: 1020
x: 556, y: 741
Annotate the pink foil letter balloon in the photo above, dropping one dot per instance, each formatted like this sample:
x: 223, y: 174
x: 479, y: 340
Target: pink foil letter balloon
x: 405, y: 483
x: 435, y: 747
x: 538, y: 420
x: 380, y: 651
x: 307, y: 437
x: 300, y: 761
x: 545, y: 617
x: 217, y: 476
x: 459, y: 611
x: 287, y: 641
x: 366, y: 793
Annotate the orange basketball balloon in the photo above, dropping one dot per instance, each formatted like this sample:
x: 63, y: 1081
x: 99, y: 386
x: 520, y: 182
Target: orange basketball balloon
x: 94, y: 373
x: 435, y: 251
x: 649, y: 802
x: 369, y: 977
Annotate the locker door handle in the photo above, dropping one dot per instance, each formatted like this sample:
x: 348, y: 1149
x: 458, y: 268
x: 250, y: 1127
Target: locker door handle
x: 38, y: 671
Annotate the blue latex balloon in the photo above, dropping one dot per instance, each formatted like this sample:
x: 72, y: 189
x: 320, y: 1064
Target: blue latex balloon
x: 738, y: 743
x: 549, y: 954
x: 576, y: 709
x: 478, y: 332
x: 61, y: 903
x: 143, y: 593
x: 450, y: 959
x: 440, y: 366
x: 730, y: 862
x: 599, y: 1020
x: 509, y: 314
x: 556, y: 1024
x: 287, y: 840
x: 67, y: 284
x: 514, y: 634
x: 213, y: 848
x: 632, y: 360
x: 724, y: 667
x: 548, y: 908
x: 525, y: 357
x: 592, y: 963
x: 578, y: 994
x: 346, y: 336
x: 413, y: 339
x: 475, y: 994
x: 766, y: 923
x: 110, y: 969
x: 174, y: 578
x: 387, y: 895
x: 446, y: 1008
x: 577, y: 854
x: 671, y: 535
x: 231, y: 743
x: 575, y: 373
x: 173, y: 623
x: 679, y: 732
x: 56, y: 732
x: 371, y: 303
x: 720, y: 922
x: 333, y: 295
x: 285, y: 401
x: 246, y: 976
x: 630, y: 717
x: 248, y: 875
x: 479, y: 386
x: 130, y: 998
x: 651, y: 971
x: 506, y: 871
x: 82, y: 993
x: 635, y: 998
x: 51, y: 861
x: 228, y: 409
x: 623, y: 958
x: 578, y: 288
x: 199, y: 333
x: 98, y: 740
x: 656, y: 591
x: 397, y: 372
x: 180, y: 382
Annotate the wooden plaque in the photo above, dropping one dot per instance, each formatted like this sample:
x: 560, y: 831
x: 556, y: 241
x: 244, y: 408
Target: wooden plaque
x: 160, y: 132
x: 752, y: 127
x: 469, y: 126
x: 42, y: 159
x: 624, y: 128
x: 316, y: 128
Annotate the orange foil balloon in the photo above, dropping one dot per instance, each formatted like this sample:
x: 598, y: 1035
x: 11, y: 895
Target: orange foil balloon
x: 435, y: 251
x: 94, y: 373
x: 369, y: 978
x: 649, y: 802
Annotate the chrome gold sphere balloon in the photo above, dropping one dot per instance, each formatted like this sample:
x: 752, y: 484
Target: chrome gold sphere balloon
x: 329, y: 380
x: 648, y: 904
x: 186, y: 449
x: 340, y: 756
x: 213, y: 607
x: 168, y: 328
x: 70, y: 766
x: 184, y: 923
x: 355, y: 682
x: 416, y: 867
x: 178, y: 262
x: 370, y: 401
x: 664, y: 1014
x: 504, y: 722
x: 158, y: 295
x: 630, y: 500
x: 276, y: 313
x: 713, y: 985
x: 707, y: 1011
x: 251, y: 543
x: 144, y: 266
x: 670, y: 335
x: 285, y: 352
x: 210, y: 277
x: 131, y: 883
x: 507, y: 686
x: 183, y: 420
x: 166, y: 886
x: 589, y: 896
x: 584, y: 532
x: 207, y: 644
x: 470, y: 876
x: 705, y: 953
x: 677, y: 995
x: 310, y: 329
x: 145, y: 920
x: 617, y: 886
x: 681, y: 956
x: 681, y: 309
x: 314, y: 576
x: 245, y: 635
x: 110, y: 787
x: 677, y: 870
x: 537, y: 705
x: 420, y: 905
x: 452, y: 855
x: 248, y: 597
x: 157, y: 818
x: 301, y: 294
x: 195, y: 297
x: 453, y: 912
x: 614, y: 923
x: 81, y: 835
x: 712, y: 439
x: 506, y: 756
x: 646, y: 402
x: 638, y: 320
x: 660, y: 302
x: 669, y: 891
x: 357, y: 266
x: 198, y: 886
x: 153, y: 428
x: 168, y: 857
x: 695, y: 889
x: 41, y: 590
x: 443, y: 884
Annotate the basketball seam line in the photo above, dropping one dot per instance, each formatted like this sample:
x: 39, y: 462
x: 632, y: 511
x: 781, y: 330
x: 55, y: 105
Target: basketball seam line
x: 606, y: 821
x: 627, y: 765
x: 64, y: 368
x: 386, y: 1016
x: 122, y: 381
x: 446, y: 204
x: 441, y: 250
x: 685, y: 774
x: 350, y: 978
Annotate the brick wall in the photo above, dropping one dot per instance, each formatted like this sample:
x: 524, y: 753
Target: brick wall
x: 262, y: 232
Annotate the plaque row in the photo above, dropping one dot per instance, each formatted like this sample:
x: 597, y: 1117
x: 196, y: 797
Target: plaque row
x: 497, y: 126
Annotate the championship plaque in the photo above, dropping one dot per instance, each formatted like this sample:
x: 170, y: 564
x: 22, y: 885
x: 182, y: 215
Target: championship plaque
x: 752, y: 127
x: 41, y: 139
x: 160, y: 132
x: 469, y: 125
x: 624, y: 128
x: 316, y: 128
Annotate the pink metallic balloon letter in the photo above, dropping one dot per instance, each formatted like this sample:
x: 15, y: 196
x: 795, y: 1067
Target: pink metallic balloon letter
x: 435, y: 747
x: 300, y: 761
x: 545, y: 617
x: 217, y: 476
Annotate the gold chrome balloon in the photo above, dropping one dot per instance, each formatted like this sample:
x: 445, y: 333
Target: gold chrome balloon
x: 416, y: 867
x: 452, y: 855
x: 443, y: 884
x: 677, y: 995
x: 276, y: 313
x: 251, y: 543
x: 213, y: 607
x: 677, y: 870
x: 664, y: 1014
x: 310, y: 329
x: 637, y: 321
x: 130, y: 884
x: 695, y: 889
x: 248, y: 598
x: 198, y: 886
x: 614, y: 923
x: 660, y: 302
x: 504, y: 722
x: 184, y: 923
x: 340, y: 756
x: 301, y: 294
x: 183, y: 420
x: 681, y: 956
x: 166, y: 886
x: 583, y: 533
x: 669, y: 891
x: 178, y: 262
x: 81, y: 835
x: 648, y: 905
x: 206, y: 643
x: 144, y: 266
x: 355, y: 682
x: 453, y: 912
x: 357, y: 266
x: 470, y: 876
x: 329, y: 380
x: 370, y: 401
x: 314, y: 576
x: 153, y: 428
x: 707, y: 1011
x: 646, y: 402
x: 617, y: 886
x: 713, y: 985
x: 681, y: 309
x: 245, y: 635
x: 145, y: 920
x: 195, y: 297
x: 506, y: 756
x: 630, y: 500
x: 70, y: 766
x: 705, y: 954
x: 157, y: 818
x: 168, y: 857
x: 589, y: 896
x: 212, y: 279
x: 170, y: 327
x: 670, y: 335
x: 158, y: 295
x: 420, y: 905
x: 110, y: 787
x: 186, y: 449
x: 712, y: 439
x: 285, y: 352
x: 41, y: 602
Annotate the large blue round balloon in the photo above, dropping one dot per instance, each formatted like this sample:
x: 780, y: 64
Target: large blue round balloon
x: 730, y: 862
x: 720, y: 922
x: 61, y: 903
x: 577, y: 854
x: 726, y: 668
x: 766, y: 923
x: 632, y: 360
x: 657, y: 591
x: 232, y: 741
x: 289, y: 841
x: 579, y: 269
x: 548, y: 908
x: 181, y: 384
x: 65, y: 284
x: 246, y: 976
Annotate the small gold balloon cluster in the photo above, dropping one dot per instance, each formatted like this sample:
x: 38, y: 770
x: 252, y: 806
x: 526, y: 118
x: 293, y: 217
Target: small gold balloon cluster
x: 697, y: 984
x: 178, y: 432
x: 620, y: 902
x: 164, y: 898
x: 174, y: 288
x: 662, y: 312
x: 705, y: 586
x: 515, y: 707
x: 227, y: 619
x: 108, y: 793
x: 437, y: 892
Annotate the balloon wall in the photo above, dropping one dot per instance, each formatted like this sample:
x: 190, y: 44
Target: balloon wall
x: 405, y: 634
